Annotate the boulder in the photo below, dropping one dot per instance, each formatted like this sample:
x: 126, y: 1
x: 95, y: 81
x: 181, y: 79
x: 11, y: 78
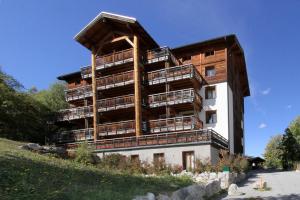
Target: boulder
x: 260, y: 184
x: 233, y: 190
x: 213, y: 176
x: 191, y: 192
x: 32, y: 147
x: 212, y: 187
x: 148, y: 196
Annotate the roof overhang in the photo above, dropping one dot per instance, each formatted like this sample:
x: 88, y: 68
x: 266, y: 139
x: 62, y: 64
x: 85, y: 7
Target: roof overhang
x: 107, y: 23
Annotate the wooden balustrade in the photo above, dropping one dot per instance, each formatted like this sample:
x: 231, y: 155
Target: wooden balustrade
x: 174, y: 97
x: 115, y: 58
x: 175, y: 124
x: 160, y: 54
x: 75, y: 113
x: 75, y: 135
x: 196, y: 136
x: 187, y: 71
x: 115, y: 103
x: 116, y: 128
x: 115, y: 80
x: 78, y: 93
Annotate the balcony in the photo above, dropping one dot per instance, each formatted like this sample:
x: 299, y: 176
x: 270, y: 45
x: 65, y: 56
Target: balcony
x: 175, y: 124
x: 182, y: 72
x: 75, y: 113
x: 116, y: 103
x: 86, y: 72
x: 116, y: 58
x: 184, y: 137
x: 160, y: 54
x: 75, y: 135
x: 115, y: 80
x: 78, y: 93
x: 116, y: 128
x: 174, y: 97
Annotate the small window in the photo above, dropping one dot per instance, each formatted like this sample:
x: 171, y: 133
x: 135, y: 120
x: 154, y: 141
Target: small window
x: 210, y: 92
x: 210, y: 71
x: 158, y: 157
x: 186, y: 58
x: 211, y: 117
x: 77, y: 82
x: 209, y: 53
x: 135, y: 158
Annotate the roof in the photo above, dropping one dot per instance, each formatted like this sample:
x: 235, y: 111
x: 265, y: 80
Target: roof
x: 227, y: 39
x: 69, y: 76
x: 105, y: 23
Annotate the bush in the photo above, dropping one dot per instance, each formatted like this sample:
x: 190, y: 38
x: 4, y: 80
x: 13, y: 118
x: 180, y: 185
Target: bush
x: 236, y: 163
x: 83, y: 154
x: 176, y: 169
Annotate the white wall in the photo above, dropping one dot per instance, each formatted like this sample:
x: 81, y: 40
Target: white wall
x: 224, y: 107
x: 173, y: 154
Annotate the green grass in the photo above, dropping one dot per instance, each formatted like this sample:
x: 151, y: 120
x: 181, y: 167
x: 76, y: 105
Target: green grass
x: 28, y: 175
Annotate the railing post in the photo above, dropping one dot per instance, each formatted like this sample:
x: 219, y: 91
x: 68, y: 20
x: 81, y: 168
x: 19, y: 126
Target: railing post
x: 95, y: 113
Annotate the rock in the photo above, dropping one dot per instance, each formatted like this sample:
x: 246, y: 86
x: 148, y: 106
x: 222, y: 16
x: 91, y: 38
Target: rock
x: 233, y: 190
x: 213, y: 176
x: 212, y: 187
x: 163, y: 197
x: 260, y: 184
x: 32, y: 147
x: 191, y: 192
x: 148, y: 196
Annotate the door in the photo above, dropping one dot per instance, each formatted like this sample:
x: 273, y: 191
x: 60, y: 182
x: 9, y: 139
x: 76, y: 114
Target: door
x: 188, y: 159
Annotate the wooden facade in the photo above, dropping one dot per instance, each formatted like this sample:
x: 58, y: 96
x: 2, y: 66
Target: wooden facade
x: 135, y: 89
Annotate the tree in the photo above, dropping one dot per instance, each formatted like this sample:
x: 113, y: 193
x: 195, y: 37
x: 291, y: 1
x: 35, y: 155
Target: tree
x: 273, y: 152
x: 295, y: 129
x: 290, y: 150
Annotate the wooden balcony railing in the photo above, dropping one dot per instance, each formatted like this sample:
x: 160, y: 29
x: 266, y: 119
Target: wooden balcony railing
x: 86, y: 72
x: 175, y: 124
x: 116, y: 128
x: 174, y: 97
x: 184, y: 137
x: 116, y: 58
x: 75, y: 135
x: 160, y: 54
x: 75, y: 113
x: 187, y: 71
x: 78, y: 93
x: 115, y: 103
x: 115, y: 80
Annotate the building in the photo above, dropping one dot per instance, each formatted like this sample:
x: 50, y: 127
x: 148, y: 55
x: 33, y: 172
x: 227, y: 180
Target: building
x: 151, y: 102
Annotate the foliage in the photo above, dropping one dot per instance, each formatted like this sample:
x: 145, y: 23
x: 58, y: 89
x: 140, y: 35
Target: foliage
x: 27, y: 175
x: 290, y: 150
x: 273, y: 152
x: 295, y: 129
x: 26, y: 115
x: 83, y: 153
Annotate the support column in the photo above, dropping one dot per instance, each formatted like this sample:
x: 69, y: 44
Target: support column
x: 137, y: 87
x: 94, y: 88
x: 168, y: 111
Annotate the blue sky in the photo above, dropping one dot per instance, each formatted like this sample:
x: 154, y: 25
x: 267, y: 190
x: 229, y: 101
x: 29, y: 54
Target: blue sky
x: 36, y: 45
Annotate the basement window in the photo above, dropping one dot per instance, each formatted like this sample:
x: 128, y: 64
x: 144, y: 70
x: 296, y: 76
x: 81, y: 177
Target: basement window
x: 135, y: 158
x: 210, y: 92
x: 210, y: 71
x: 209, y: 53
x: 158, y: 157
x: 211, y: 117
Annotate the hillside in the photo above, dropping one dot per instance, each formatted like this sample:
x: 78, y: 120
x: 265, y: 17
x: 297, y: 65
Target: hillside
x: 28, y: 175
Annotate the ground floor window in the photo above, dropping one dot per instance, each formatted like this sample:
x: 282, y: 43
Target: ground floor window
x: 135, y: 158
x: 188, y: 160
x: 158, y: 157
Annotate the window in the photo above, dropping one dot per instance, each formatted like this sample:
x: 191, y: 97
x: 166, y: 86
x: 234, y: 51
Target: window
x: 158, y: 157
x: 210, y: 92
x: 209, y: 53
x: 186, y: 58
x: 210, y: 71
x: 134, y: 158
x: 211, y: 117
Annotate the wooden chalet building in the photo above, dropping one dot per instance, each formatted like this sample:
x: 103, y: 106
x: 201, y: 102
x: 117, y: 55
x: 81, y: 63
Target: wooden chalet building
x: 142, y: 100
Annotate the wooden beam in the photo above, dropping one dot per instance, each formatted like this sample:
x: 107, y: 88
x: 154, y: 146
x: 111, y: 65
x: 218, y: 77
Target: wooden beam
x: 94, y: 88
x: 137, y: 87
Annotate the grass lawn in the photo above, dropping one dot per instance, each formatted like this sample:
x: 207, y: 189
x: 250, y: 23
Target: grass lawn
x: 28, y: 175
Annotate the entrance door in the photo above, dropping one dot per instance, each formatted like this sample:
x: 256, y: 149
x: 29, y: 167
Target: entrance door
x: 188, y: 159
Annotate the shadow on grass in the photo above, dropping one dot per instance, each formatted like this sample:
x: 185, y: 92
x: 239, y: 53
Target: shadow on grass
x: 26, y: 178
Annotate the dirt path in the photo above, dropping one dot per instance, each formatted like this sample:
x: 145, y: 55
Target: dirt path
x: 283, y: 186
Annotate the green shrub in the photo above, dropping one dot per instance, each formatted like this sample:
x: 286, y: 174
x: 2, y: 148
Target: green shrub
x: 83, y: 154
